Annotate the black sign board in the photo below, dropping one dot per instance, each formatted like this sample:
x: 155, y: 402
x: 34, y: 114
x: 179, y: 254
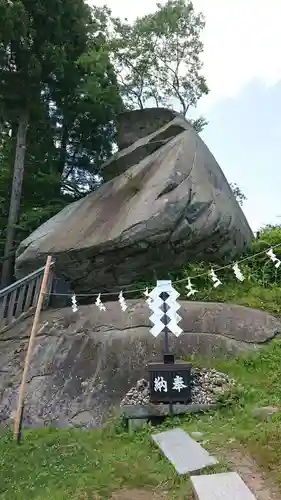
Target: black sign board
x: 170, y: 382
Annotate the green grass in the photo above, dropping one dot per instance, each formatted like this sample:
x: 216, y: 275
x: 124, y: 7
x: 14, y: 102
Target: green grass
x: 247, y: 294
x: 258, y: 376
x: 78, y: 464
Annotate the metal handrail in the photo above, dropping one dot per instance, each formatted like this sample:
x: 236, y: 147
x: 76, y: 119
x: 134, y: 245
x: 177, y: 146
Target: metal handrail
x: 22, y: 281
x: 19, y: 299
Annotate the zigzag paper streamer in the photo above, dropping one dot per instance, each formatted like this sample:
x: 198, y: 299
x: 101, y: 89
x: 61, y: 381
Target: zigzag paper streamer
x: 191, y: 290
x: 99, y: 303
x: 122, y: 302
x: 215, y: 279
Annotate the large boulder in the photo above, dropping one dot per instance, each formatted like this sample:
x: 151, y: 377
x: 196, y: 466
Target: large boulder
x: 84, y: 363
x: 140, y: 123
x: 166, y: 202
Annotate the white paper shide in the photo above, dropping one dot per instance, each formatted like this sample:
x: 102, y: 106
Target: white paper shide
x: 156, y: 306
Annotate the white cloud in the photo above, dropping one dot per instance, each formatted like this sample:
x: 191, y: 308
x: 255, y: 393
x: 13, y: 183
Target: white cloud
x: 242, y: 41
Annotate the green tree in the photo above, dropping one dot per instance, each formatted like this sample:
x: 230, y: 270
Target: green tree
x: 87, y: 100
x: 49, y: 112
x: 91, y: 119
x: 33, y: 38
x: 158, y: 58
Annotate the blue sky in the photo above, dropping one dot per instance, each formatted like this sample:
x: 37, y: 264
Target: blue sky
x: 244, y: 135
x: 242, y: 64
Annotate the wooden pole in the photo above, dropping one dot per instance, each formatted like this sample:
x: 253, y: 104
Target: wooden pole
x: 19, y: 413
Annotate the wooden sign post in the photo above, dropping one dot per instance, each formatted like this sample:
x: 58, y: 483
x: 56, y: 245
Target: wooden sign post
x: 19, y: 413
x: 170, y: 381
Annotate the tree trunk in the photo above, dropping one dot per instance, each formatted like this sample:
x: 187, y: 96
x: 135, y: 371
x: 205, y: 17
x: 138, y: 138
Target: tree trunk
x: 14, y: 211
x: 63, y: 148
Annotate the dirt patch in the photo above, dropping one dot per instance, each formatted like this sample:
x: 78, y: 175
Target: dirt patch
x: 138, y: 495
x: 256, y: 480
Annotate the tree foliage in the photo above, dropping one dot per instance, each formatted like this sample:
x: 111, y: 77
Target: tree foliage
x: 158, y: 58
x: 55, y: 71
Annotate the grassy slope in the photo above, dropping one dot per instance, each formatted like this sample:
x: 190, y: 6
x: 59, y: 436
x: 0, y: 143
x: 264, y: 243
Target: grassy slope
x: 64, y: 464
x: 245, y: 294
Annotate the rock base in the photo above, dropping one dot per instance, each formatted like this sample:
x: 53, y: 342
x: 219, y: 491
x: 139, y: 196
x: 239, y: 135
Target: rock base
x: 207, y: 386
x: 150, y: 411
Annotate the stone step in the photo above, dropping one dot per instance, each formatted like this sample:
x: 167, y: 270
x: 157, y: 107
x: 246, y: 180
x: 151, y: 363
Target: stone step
x: 223, y: 486
x: 184, y: 453
x: 150, y: 410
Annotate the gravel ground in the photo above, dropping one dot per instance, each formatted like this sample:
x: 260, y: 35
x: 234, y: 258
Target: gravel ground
x: 207, y: 386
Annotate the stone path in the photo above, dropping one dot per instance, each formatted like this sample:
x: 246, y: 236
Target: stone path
x: 184, y: 453
x: 187, y: 456
x: 223, y: 486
